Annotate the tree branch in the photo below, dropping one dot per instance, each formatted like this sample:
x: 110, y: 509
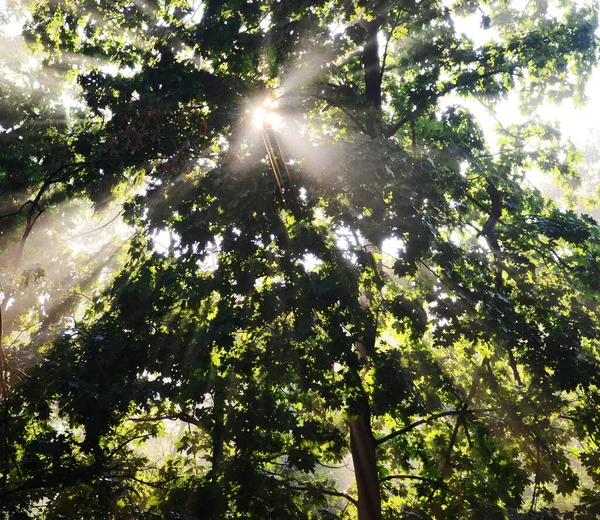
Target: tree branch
x: 460, y: 420
x: 17, y: 212
x: 351, y: 116
x: 395, y: 127
x: 432, y: 481
x: 329, y: 492
x: 169, y: 417
x: 432, y: 418
x: 396, y: 23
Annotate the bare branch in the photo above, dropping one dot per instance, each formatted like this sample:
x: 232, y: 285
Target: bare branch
x: 350, y: 115
x: 401, y: 122
x: 396, y: 23
x: 17, y: 212
x: 438, y: 483
x: 156, y: 485
x: 432, y: 418
x: 329, y: 492
x: 169, y: 417
x: 99, y: 228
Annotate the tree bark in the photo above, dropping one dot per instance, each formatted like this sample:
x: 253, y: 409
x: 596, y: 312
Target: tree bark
x: 219, y: 504
x: 362, y: 442
x: 362, y: 446
x: 372, y: 71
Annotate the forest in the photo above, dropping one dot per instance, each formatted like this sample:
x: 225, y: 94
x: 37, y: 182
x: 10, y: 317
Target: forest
x: 261, y: 260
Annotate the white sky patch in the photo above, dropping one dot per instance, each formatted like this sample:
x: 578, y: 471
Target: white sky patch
x: 211, y: 261
x: 392, y: 248
x: 470, y: 27
x: 71, y: 102
x: 197, y: 13
x: 14, y: 27
x: 162, y: 241
x: 578, y: 122
x: 112, y: 69
x: 265, y: 23
x: 43, y: 298
x: 337, y: 28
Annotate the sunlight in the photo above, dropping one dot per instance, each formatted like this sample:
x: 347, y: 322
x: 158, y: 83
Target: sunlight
x: 265, y: 116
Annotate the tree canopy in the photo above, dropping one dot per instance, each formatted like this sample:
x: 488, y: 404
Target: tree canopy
x: 352, y: 303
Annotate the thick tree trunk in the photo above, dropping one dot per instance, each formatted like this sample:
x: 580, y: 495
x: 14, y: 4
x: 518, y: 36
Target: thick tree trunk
x: 362, y: 445
x: 219, y: 504
x: 362, y: 441
x: 363, y: 448
x: 372, y: 71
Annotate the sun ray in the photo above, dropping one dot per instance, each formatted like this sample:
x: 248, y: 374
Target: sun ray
x: 287, y: 171
x: 273, y: 166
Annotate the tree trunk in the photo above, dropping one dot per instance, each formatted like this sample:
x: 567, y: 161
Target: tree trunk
x: 218, y: 504
x: 362, y: 446
x: 372, y: 71
x: 362, y: 441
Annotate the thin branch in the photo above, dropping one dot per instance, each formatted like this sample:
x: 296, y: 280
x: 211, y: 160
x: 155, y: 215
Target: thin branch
x: 95, y: 229
x: 432, y: 418
x: 536, y: 484
x: 385, y: 50
x: 448, y: 454
x: 4, y: 388
x: 460, y: 420
x: 350, y: 115
x: 432, y: 481
x: 169, y: 417
x: 16, y: 371
x: 156, y: 485
x: 31, y: 220
x: 17, y: 212
x: 329, y: 492
x: 98, y: 160
x: 126, y: 442
x: 401, y: 122
x: 83, y: 296
x: 339, y: 494
x: 340, y: 466
x: 569, y: 418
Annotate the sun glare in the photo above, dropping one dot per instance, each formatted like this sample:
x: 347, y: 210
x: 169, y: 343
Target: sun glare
x: 266, y: 116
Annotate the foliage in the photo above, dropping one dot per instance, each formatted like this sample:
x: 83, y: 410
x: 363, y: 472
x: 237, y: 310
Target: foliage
x: 373, y: 267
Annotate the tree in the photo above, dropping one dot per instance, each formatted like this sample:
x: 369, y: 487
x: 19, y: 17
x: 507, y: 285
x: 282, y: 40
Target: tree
x: 458, y: 370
